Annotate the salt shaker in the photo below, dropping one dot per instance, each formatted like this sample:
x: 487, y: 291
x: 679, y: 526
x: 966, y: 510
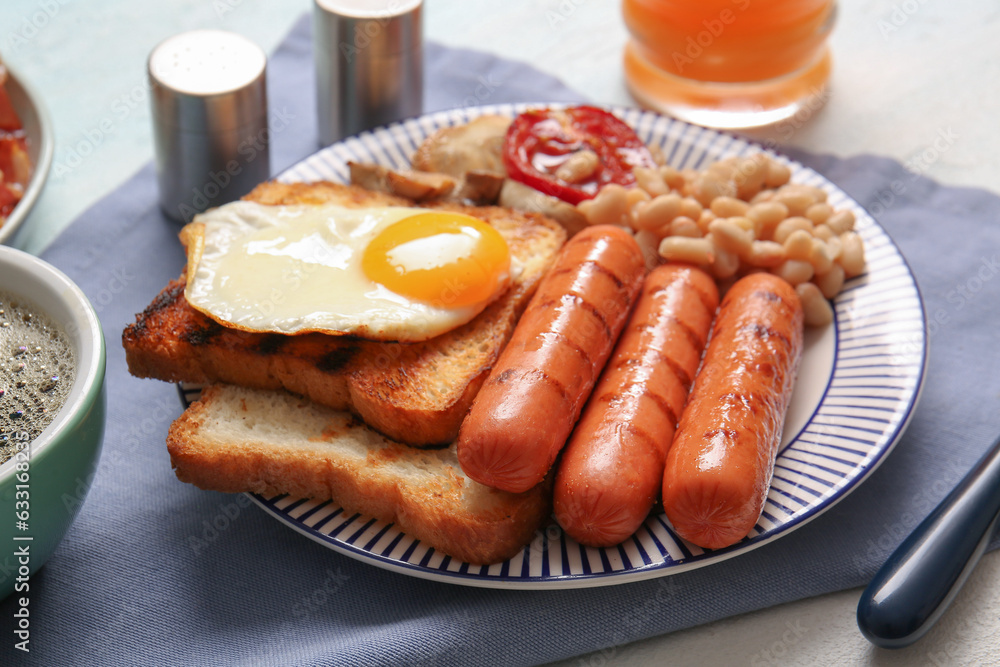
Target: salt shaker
x: 209, y: 107
x: 369, y: 64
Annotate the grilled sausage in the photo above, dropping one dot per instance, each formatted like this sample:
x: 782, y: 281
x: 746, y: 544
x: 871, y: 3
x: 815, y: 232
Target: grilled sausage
x: 719, y: 467
x: 524, y: 413
x: 612, y: 469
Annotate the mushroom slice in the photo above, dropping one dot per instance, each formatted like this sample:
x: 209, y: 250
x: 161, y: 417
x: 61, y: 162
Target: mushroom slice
x: 474, y: 146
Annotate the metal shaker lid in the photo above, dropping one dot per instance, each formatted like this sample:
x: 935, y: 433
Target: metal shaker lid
x: 369, y: 64
x: 208, y: 81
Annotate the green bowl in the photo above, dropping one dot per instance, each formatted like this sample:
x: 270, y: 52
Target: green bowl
x: 63, y: 458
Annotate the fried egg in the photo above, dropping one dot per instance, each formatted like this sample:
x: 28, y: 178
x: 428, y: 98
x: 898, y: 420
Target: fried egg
x: 388, y: 273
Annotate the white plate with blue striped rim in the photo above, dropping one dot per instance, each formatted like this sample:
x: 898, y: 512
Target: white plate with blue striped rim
x: 858, y: 385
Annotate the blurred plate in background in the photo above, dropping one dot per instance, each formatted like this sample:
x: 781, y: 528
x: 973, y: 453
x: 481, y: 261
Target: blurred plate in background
x: 38, y: 128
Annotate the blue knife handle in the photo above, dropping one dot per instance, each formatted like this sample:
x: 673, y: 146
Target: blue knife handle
x: 921, y: 578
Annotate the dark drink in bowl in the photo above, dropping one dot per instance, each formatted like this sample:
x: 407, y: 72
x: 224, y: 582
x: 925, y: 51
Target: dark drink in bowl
x: 36, y: 372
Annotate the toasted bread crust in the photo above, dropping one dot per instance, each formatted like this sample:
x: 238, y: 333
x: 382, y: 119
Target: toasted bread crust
x: 315, y: 454
x: 416, y: 393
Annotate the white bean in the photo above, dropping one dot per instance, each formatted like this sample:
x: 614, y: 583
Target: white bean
x: 730, y: 236
x: 649, y: 243
x: 672, y: 177
x: 815, y: 308
x: 685, y: 226
x: 710, y: 185
x: 819, y: 256
x: 789, y: 225
x: 749, y: 176
x: 852, y: 254
x: 609, y: 207
x: 777, y: 174
x: 657, y: 212
x: 765, y: 254
x: 651, y: 181
x: 794, y: 271
x: 766, y: 216
x: 728, y: 207
x: 823, y: 232
x: 691, y: 208
x: 841, y: 221
x: 819, y: 212
x: 831, y: 282
x: 684, y: 249
x: 578, y: 166
x: 797, y: 201
x: 799, y: 245
x: 725, y: 264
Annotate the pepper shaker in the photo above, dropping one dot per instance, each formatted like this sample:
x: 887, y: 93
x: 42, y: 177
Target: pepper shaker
x: 369, y: 64
x: 209, y: 108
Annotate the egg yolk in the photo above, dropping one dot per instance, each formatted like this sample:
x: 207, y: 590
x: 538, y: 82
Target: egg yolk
x: 444, y: 259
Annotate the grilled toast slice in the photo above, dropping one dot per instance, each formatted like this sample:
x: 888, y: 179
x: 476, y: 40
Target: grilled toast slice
x: 271, y: 442
x: 416, y: 393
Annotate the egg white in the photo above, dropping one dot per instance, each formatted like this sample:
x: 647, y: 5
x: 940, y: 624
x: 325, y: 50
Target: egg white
x: 297, y: 269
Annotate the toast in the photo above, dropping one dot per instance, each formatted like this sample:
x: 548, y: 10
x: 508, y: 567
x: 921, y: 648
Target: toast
x: 415, y: 393
x: 271, y: 442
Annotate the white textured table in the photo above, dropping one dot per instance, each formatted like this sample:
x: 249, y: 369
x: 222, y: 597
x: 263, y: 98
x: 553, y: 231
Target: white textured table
x: 912, y: 80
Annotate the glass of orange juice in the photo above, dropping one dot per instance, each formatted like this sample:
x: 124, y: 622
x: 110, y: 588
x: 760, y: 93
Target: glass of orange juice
x: 728, y: 63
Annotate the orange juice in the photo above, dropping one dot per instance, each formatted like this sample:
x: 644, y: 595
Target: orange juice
x: 719, y: 55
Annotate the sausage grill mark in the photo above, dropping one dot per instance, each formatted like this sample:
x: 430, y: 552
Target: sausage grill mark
x: 582, y: 303
x: 590, y: 264
x: 530, y: 374
x: 766, y: 333
x: 572, y: 344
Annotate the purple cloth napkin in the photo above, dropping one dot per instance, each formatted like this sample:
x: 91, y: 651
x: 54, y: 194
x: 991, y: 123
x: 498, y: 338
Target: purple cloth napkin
x: 158, y: 572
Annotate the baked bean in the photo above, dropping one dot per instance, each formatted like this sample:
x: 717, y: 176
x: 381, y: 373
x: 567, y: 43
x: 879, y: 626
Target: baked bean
x: 684, y: 249
x: 763, y: 195
x: 815, y: 308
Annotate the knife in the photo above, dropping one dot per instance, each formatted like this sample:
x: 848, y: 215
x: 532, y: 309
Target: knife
x: 921, y: 578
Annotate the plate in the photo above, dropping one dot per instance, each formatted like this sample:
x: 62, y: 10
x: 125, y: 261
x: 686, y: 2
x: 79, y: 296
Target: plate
x: 35, y: 120
x: 858, y: 384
